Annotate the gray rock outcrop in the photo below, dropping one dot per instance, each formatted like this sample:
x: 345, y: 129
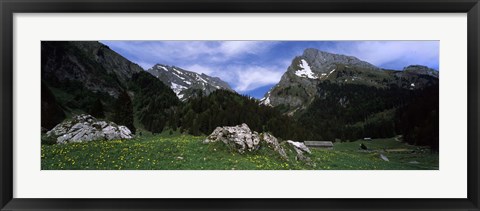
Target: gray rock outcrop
x: 300, y: 148
x: 84, y: 128
x: 242, y: 139
x: 239, y: 137
x: 272, y: 142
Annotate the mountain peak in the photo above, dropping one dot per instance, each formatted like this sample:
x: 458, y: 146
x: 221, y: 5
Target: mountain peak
x: 313, y: 52
x: 299, y: 85
x: 186, y: 83
x: 322, y: 61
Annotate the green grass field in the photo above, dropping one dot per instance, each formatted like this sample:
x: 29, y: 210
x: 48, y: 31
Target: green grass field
x: 176, y: 151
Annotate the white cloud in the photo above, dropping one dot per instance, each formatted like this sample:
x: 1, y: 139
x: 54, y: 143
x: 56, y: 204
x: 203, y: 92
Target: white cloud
x: 250, y: 78
x: 233, y: 48
x: 242, y: 78
x: 173, y: 52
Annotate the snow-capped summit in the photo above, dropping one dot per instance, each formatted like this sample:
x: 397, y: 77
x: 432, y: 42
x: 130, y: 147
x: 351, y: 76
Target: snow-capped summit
x: 185, y: 83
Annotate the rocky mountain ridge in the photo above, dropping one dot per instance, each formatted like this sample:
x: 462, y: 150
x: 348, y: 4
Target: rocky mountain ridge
x: 298, y: 86
x: 186, y: 83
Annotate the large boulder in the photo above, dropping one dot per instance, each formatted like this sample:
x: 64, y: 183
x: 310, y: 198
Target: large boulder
x: 83, y: 128
x: 242, y: 139
x: 239, y: 137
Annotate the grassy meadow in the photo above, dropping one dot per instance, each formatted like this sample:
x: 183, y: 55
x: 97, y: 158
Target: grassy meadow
x: 173, y: 151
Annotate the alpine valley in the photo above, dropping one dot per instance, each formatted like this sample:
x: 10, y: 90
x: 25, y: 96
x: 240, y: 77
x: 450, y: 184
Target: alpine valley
x: 321, y: 96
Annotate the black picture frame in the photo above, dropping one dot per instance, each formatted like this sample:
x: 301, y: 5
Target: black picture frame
x: 9, y: 7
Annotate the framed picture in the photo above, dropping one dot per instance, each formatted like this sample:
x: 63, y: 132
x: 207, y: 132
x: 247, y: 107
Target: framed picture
x: 260, y: 105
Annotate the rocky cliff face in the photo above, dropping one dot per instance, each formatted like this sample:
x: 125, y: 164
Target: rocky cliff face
x: 90, y: 63
x: 298, y: 87
x: 185, y: 83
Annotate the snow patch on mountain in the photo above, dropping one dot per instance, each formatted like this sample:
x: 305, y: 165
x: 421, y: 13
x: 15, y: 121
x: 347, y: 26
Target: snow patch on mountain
x: 266, y: 100
x: 178, y: 71
x: 305, y: 71
x: 162, y: 67
x: 183, y: 81
x: 177, y: 88
x: 179, y: 76
x: 199, y: 78
x: 331, y: 71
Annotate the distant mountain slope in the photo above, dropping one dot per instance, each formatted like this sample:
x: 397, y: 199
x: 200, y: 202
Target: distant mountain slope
x: 88, y: 77
x: 298, y: 86
x: 184, y: 83
x: 94, y: 65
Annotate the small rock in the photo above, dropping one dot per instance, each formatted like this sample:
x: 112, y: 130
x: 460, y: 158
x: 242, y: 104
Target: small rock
x: 179, y: 158
x: 300, y: 148
x: 383, y: 157
x: 299, y: 145
x: 363, y: 146
x: 414, y: 162
x: 272, y: 142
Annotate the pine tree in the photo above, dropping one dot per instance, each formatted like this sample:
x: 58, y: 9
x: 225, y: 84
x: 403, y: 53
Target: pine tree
x: 96, y: 109
x: 123, y: 111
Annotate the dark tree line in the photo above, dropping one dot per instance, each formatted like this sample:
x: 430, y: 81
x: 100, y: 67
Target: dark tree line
x: 52, y: 113
x: 343, y: 111
x: 351, y: 112
x: 123, y: 111
x: 418, y: 121
x: 203, y: 114
x: 154, y: 103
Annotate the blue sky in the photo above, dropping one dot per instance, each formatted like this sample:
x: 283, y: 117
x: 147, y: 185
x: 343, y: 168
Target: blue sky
x: 253, y: 67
